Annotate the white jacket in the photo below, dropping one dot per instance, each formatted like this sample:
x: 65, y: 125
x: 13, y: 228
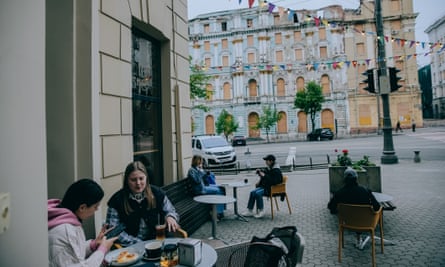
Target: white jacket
x: 67, y: 247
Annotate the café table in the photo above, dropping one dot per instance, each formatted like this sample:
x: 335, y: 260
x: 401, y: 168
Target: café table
x: 381, y: 198
x: 214, y: 200
x: 209, y: 255
x: 235, y: 186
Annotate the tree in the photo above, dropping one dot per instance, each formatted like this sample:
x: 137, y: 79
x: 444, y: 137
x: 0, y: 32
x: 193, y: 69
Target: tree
x: 226, y: 124
x: 310, y: 100
x: 198, y: 83
x: 267, y: 120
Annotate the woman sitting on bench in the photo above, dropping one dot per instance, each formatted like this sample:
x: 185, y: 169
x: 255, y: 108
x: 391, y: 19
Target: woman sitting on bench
x: 201, y: 186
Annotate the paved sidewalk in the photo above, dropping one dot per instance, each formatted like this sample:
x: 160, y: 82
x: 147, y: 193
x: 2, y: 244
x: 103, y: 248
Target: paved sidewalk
x: 416, y: 226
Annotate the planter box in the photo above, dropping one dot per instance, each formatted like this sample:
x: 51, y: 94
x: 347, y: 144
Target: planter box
x: 369, y: 176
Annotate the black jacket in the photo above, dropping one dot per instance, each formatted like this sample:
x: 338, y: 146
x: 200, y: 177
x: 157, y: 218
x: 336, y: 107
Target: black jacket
x: 272, y: 176
x: 353, y: 194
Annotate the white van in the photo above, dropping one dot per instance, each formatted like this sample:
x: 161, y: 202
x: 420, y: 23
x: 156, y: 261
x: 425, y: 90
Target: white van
x: 214, y: 150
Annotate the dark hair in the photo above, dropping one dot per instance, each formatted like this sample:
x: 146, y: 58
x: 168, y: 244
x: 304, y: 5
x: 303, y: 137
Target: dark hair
x: 196, y: 160
x: 83, y: 191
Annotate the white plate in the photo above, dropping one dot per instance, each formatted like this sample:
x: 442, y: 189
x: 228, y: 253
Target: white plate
x: 112, y: 255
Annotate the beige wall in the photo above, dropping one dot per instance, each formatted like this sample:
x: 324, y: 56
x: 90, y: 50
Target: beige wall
x: 23, y: 152
x: 65, y: 109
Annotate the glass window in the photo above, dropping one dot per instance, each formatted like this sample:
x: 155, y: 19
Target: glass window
x: 146, y: 93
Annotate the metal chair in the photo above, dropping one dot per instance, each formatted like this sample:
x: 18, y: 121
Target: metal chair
x: 279, y: 190
x: 359, y: 218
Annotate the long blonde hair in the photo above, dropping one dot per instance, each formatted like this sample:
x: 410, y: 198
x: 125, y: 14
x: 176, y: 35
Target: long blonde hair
x: 131, y: 167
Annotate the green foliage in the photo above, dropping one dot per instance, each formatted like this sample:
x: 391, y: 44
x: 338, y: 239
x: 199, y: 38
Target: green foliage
x: 226, y: 124
x: 267, y: 120
x: 344, y: 160
x: 310, y: 100
x: 364, y: 162
x: 198, y: 83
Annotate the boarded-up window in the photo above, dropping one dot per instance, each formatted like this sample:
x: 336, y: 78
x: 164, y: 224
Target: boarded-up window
x: 210, y: 125
x: 300, y: 84
x: 364, y: 115
x: 322, y: 33
x: 302, y: 122
x: 276, y: 20
x: 281, y: 89
x: 225, y: 61
x: 327, y: 119
x: 297, y: 36
x: 395, y: 5
x: 209, y: 91
x: 278, y: 39
x: 206, y: 28
x: 299, y: 54
x: 226, y: 91
x: 282, y: 123
x: 279, y: 56
x: 325, y: 84
x: 207, y: 45
x: 360, y: 49
x: 253, y: 121
x: 208, y: 62
x: 252, y: 88
x: 224, y: 44
x: 323, y: 52
x: 250, y: 40
x: 251, y: 57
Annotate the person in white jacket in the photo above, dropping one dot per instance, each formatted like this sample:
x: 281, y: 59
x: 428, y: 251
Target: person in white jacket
x: 67, y: 244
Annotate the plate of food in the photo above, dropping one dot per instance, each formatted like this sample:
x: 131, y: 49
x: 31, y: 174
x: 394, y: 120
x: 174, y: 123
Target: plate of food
x: 122, y: 257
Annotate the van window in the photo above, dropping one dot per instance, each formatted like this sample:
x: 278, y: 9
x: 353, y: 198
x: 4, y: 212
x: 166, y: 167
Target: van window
x: 198, y: 144
x: 214, y: 142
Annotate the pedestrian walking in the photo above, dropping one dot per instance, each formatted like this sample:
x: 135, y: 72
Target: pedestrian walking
x: 398, y: 128
x: 413, y: 125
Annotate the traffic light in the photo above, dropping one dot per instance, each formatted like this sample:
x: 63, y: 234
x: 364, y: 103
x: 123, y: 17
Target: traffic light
x: 369, y: 81
x: 393, y: 79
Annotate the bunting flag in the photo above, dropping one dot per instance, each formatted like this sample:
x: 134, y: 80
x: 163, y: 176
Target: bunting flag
x: 251, y: 3
x: 271, y: 7
x: 290, y: 15
x: 239, y: 2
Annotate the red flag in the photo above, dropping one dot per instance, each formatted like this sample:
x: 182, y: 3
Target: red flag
x: 251, y: 3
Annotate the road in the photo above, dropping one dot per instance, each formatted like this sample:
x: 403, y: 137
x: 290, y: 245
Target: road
x: 429, y: 141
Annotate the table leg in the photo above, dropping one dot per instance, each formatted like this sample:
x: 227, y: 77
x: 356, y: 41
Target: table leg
x: 235, y: 206
x: 214, y: 218
x: 377, y: 238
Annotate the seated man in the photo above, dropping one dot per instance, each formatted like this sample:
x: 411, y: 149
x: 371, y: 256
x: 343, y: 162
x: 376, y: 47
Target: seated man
x: 352, y: 193
x: 201, y: 184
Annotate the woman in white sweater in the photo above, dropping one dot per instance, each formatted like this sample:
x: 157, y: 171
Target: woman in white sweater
x: 67, y: 244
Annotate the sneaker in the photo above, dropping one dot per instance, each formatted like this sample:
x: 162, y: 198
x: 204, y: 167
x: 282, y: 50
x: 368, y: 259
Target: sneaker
x: 220, y: 216
x: 248, y: 213
x: 260, y: 214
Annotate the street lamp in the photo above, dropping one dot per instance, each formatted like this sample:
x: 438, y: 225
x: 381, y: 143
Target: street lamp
x: 389, y: 155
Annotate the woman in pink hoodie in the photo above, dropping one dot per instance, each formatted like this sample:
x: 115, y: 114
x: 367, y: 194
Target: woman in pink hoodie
x: 67, y: 244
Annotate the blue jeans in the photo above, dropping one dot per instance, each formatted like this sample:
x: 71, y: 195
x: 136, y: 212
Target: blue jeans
x: 256, y: 195
x: 214, y: 190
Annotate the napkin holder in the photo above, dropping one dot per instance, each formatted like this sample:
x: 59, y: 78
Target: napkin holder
x: 190, y: 251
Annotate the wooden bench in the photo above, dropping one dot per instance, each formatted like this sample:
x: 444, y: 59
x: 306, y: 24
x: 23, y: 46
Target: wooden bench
x: 192, y: 215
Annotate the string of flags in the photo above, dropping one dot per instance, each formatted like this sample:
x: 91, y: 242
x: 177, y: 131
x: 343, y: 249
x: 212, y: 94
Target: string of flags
x: 318, y: 21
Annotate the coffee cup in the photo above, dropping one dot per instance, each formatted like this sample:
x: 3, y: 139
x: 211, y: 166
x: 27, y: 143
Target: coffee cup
x: 153, y: 250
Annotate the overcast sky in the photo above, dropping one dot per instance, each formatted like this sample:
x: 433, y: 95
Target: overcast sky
x: 429, y: 11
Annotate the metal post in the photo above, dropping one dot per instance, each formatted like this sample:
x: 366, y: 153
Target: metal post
x: 389, y: 155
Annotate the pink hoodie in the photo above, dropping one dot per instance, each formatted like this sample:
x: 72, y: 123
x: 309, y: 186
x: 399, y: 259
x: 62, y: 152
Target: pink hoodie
x: 57, y: 216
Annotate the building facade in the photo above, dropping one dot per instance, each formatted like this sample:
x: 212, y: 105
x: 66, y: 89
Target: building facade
x: 86, y: 88
x: 436, y: 35
x: 261, y: 57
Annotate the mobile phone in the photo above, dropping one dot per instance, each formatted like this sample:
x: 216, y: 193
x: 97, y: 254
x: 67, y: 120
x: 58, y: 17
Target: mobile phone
x: 115, y: 231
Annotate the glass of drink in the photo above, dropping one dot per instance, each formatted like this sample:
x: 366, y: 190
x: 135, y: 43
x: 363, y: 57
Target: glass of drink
x: 160, y: 232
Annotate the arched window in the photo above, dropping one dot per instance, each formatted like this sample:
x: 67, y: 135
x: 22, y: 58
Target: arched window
x: 327, y: 119
x: 302, y: 122
x: 209, y: 92
x: 325, y: 84
x: 226, y: 91
x: 281, y: 89
x: 253, y: 91
x: 253, y: 120
x: 300, y: 84
x: 210, y: 124
x: 282, y: 123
